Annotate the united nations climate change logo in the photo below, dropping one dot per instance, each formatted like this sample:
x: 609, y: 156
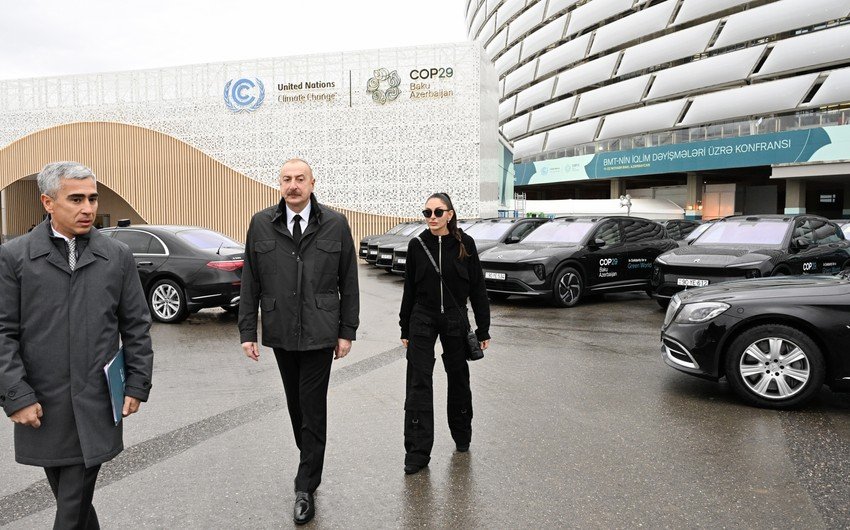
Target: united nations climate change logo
x: 244, y: 95
x: 383, y: 77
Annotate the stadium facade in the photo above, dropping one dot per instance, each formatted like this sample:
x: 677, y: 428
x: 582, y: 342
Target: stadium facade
x: 203, y: 144
x: 723, y: 106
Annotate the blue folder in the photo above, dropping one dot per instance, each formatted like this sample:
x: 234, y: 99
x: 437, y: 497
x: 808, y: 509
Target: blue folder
x: 115, y: 378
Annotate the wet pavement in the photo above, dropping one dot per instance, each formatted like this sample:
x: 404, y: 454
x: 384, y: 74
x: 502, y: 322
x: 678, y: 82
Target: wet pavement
x: 578, y: 424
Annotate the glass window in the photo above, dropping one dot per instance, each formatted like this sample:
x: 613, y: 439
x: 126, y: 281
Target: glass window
x: 524, y: 229
x: 207, y: 239
x: 635, y: 230
x: 824, y: 232
x: 156, y: 247
x: 699, y: 229
x: 609, y: 232
x: 488, y: 231
x: 561, y: 232
x: 139, y: 242
x: 846, y: 229
x: 767, y: 233
x: 673, y: 231
x: 412, y: 229
x: 396, y: 229
x: 803, y: 229
x: 687, y: 228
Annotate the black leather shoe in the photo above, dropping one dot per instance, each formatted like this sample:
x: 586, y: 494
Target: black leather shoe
x: 304, y: 507
x: 410, y: 469
x: 462, y: 448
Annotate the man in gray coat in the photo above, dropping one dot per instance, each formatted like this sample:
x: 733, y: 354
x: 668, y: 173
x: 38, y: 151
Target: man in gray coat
x: 68, y: 297
x: 301, y: 271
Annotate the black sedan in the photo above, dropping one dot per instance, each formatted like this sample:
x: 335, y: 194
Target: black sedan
x: 679, y: 229
x: 408, y: 230
x: 363, y: 252
x: 751, y: 247
x: 566, y: 258
x: 776, y: 340
x: 387, y: 249
x: 184, y: 268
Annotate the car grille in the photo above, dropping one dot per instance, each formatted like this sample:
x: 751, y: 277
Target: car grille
x: 677, y: 353
x: 670, y: 274
x: 364, y: 250
x: 504, y: 266
x: 506, y: 286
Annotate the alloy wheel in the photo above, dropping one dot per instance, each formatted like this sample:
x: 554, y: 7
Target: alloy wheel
x: 166, y: 301
x: 775, y: 368
x: 569, y: 288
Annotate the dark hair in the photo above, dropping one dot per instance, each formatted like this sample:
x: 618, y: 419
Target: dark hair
x: 453, y: 228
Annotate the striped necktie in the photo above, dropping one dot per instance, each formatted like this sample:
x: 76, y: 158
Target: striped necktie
x: 72, y: 253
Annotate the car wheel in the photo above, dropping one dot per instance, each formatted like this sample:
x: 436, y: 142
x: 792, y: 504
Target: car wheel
x: 232, y: 309
x: 567, y: 287
x: 780, y: 271
x: 167, y: 302
x: 498, y: 297
x: 775, y: 366
x: 663, y: 302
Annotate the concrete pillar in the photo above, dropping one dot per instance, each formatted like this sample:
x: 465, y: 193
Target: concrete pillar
x: 618, y: 188
x: 846, y: 212
x: 795, y: 196
x: 693, y: 208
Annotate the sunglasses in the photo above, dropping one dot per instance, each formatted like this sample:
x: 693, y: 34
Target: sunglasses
x: 437, y: 212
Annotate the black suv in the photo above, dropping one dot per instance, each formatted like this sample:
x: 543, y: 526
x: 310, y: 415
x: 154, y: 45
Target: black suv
x: 568, y: 257
x: 750, y: 247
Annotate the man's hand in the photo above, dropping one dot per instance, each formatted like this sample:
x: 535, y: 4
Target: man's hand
x: 485, y: 344
x: 131, y: 406
x: 29, y: 416
x: 251, y: 350
x: 405, y: 342
x: 343, y: 346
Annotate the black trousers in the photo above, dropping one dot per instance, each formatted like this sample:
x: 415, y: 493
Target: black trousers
x: 305, y: 377
x: 73, y: 488
x: 425, y: 327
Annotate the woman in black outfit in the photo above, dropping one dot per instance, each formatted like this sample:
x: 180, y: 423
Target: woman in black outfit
x: 427, y: 311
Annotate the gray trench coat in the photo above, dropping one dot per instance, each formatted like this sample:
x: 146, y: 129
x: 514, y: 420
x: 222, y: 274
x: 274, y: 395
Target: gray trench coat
x: 57, y: 331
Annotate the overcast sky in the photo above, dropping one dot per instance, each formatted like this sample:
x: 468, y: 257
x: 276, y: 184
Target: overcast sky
x: 56, y: 37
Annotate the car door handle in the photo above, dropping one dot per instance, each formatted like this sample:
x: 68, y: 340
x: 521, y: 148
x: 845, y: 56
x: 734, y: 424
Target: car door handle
x: 144, y: 264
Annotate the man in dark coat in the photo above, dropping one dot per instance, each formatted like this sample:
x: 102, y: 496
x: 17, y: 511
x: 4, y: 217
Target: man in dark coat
x: 301, y: 271
x: 68, y: 296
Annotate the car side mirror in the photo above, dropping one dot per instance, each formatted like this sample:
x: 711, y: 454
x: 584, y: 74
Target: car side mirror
x: 513, y: 239
x: 801, y: 243
x: 598, y: 243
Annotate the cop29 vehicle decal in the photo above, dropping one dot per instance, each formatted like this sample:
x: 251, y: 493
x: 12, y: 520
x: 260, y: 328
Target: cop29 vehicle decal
x: 750, y: 247
x: 776, y: 340
x: 566, y: 258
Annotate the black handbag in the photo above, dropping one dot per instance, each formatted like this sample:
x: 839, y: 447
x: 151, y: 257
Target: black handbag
x: 473, y: 346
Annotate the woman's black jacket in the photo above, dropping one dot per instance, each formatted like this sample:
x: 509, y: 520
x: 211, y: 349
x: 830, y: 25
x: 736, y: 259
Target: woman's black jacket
x: 464, y: 278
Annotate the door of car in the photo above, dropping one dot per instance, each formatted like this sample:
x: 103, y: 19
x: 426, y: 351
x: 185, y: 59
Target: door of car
x: 149, y: 252
x: 642, y: 246
x: 605, y: 264
x: 831, y: 247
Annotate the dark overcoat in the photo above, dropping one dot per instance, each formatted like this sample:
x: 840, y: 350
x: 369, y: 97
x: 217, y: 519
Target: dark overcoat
x: 58, y: 329
x: 308, y: 293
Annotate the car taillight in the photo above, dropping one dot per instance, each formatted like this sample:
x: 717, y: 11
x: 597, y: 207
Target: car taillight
x: 231, y: 265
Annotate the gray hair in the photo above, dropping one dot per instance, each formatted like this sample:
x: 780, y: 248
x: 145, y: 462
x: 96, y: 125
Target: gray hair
x: 50, y: 178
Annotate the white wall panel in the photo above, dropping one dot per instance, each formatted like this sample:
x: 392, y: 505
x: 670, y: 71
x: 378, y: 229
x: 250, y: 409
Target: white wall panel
x: 523, y: 23
x: 508, y: 10
x: 487, y: 31
x: 471, y: 10
x: 519, y: 77
x: 836, y: 89
x: 543, y: 37
x: 573, y: 134
x: 777, y: 17
x: 717, y: 70
x: 620, y: 94
x: 506, y: 108
x: 642, y: 23
x: 594, y: 12
x: 516, y: 127
x: 565, y: 54
x: 553, y: 113
x: 529, y: 146
x: 694, y: 9
x: 818, y: 48
x: 475, y: 27
x: 763, y: 98
x: 586, y: 74
x: 644, y: 119
x: 508, y: 60
x: 491, y: 6
x: 534, y: 95
x: 497, y: 45
x: 558, y: 5
x: 674, y: 46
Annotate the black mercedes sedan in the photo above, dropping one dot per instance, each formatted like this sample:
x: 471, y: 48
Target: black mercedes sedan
x: 776, y: 340
x: 566, y: 258
x: 363, y: 251
x: 184, y: 268
x: 750, y: 247
x: 407, y: 231
x: 386, y: 250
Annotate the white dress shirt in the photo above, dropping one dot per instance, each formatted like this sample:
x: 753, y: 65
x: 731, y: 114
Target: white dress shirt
x: 305, y: 216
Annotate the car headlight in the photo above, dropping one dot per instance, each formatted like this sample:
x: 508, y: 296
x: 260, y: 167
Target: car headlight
x: 672, y: 309
x: 661, y: 261
x: 700, y: 312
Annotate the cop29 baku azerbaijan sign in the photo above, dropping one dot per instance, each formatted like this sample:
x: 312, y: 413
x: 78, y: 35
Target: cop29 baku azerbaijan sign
x: 244, y: 95
x: 808, y: 145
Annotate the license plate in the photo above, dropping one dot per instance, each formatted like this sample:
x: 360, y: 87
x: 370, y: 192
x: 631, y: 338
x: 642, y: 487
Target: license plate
x: 386, y: 256
x: 691, y: 282
x: 494, y: 275
x: 373, y: 252
x: 401, y: 261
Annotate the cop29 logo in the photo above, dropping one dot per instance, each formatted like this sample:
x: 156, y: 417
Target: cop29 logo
x: 383, y: 77
x: 244, y: 95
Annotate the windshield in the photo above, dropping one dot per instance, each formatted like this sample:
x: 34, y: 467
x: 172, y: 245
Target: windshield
x: 846, y: 230
x: 744, y: 233
x: 396, y: 229
x: 571, y: 232
x: 488, y: 231
x: 411, y: 229
x: 207, y: 240
x: 697, y: 231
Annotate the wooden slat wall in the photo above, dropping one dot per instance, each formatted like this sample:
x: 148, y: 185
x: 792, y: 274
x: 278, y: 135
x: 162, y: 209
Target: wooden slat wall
x: 164, y: 179
x: 22, y: 207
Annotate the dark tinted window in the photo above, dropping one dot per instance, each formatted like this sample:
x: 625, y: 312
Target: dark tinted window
x: 139, y: 242
x: 802, y: 229
x: 674, y: 231
x: 524, y: 229
x: 609, y: 232
x: 825, y: 232
x: 635, y: 230
x: 207, y: 239
x: 687, y: 228
x: 156, y: 247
